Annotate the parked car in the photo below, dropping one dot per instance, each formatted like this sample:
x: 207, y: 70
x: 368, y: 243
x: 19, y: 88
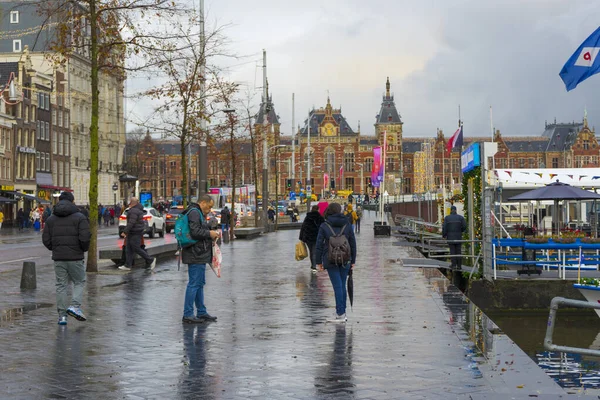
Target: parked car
x: 156, y: 223
x: 171, y: 217
x: 175, y: 211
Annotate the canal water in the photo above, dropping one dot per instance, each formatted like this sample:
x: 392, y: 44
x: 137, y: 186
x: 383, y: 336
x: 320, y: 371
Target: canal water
x: 573, y: 328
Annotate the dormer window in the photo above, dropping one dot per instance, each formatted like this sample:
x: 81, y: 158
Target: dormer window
x: 586, y: 144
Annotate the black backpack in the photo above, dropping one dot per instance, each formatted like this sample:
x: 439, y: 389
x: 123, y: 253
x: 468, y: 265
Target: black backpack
x: 339, y: 247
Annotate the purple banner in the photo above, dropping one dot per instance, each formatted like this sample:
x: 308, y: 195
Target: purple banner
x: 377, y: 173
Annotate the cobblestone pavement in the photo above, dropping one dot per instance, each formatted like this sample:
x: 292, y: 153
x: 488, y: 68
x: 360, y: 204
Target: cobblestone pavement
x: 271, y: 340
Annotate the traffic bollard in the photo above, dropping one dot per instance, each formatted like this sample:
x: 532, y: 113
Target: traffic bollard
x: 28, y: 277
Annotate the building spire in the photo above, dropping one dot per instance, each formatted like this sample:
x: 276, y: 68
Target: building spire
x: 585, y: 119
x: 387, y: 87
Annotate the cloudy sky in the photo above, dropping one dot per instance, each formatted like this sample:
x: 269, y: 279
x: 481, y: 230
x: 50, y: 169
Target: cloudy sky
x: 437, y: 53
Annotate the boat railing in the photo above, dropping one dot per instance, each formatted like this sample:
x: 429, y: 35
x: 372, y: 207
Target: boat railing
x: 554, y: 305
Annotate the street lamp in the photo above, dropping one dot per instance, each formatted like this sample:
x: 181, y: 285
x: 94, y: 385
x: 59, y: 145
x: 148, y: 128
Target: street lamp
x: 115, y: 187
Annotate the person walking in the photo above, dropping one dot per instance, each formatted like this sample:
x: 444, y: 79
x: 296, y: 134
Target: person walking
x: 1, y: 218
x: 67, y: 235
x: 133, y: 233
x: 35, y: 218
x: 295, y: 214
x: 351, y: 215
x: 454, y: 226
x: 336, y: 223
x: 309, y: 232
x: 197, y: 256
x: 225, y: 219
x: 21, y: 219
x: 271, y: 215
x: 359, y: 214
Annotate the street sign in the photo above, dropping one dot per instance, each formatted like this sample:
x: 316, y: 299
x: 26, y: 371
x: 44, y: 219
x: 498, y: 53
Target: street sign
x: 292, y: 195
x: 398, y: 180
x: 308, y: 188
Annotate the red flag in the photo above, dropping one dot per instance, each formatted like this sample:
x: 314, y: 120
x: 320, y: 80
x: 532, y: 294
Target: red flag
x: 455, y: 141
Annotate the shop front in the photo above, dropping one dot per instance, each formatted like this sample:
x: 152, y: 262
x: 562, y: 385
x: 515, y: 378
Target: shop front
x: 8, y: 205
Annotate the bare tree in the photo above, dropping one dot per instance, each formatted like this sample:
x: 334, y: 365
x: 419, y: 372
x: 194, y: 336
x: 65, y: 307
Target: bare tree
x: 193, y: 90
x: 105, y: 32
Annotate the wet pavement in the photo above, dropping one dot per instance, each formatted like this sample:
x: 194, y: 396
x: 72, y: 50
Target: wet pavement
x: 405, y: 337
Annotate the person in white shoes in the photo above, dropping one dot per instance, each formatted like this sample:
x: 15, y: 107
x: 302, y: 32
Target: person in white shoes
x: 67, y: 235
x: 336, y: 252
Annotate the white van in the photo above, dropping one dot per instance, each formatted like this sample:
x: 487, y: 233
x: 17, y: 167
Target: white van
x: 242, y: 210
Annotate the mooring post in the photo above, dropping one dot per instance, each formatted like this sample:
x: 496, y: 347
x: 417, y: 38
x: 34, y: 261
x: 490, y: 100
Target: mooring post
x: 28, y: 276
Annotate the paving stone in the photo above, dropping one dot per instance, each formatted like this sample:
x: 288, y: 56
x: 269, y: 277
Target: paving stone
x: 404, y: 338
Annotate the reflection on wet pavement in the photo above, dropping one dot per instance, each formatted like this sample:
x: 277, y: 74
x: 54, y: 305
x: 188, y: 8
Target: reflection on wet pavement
x: 271, y: 339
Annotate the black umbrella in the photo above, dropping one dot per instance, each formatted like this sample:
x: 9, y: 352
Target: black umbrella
x: 350, y: 287
x: 556, y: 191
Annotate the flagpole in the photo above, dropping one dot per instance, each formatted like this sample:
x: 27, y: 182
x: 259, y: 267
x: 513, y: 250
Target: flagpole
x: 443, y: 181
x: 382, y: 185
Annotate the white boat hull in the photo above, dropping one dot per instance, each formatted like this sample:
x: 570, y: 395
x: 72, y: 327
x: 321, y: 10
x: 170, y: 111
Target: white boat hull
x: 591, y: 294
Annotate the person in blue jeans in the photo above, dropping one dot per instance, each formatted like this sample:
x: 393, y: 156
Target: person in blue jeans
x: 336, y: 222
x: 197, y: 256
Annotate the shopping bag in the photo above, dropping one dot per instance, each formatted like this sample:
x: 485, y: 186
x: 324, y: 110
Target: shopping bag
x: 301, y: 251
x: 216, y: 260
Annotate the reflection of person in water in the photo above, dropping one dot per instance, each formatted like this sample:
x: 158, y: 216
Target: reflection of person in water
x: 67, y: 363
x: 337, y: 376
x: 195, y: 382
x: 310, y: 289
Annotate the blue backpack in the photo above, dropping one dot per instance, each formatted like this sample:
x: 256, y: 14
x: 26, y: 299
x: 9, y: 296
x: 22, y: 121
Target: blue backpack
x: 182, y: 230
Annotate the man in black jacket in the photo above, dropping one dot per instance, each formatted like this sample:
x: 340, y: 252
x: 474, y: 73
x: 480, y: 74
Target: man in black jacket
x: 197, y: 256
x: 133, y: 233
x: 67, y: 235
x: 309, y: 232
x: 454, y: 226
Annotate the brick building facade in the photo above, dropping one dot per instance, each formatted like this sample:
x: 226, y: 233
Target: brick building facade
x: 345, y: 155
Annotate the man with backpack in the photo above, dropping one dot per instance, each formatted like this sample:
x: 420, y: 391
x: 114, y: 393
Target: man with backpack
x: 336, y: 252
x: 197, y: 255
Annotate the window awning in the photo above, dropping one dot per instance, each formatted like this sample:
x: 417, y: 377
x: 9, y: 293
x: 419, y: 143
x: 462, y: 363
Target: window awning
x: 31, y: 197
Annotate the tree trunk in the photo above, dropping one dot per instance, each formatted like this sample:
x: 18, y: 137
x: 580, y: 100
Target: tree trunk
x: 92, y: 262
x: 183, y: 166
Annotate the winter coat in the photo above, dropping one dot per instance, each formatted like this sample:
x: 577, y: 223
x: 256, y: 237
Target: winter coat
x: 135, y: 220
x: 201, y: 251
x: 310, y: 227
x: 67, y: 232
x: 337, y: 221
x: 454, y: 226
x: 225, y: 216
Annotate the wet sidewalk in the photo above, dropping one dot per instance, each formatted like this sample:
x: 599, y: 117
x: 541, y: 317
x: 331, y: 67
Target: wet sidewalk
x: 405, y: 337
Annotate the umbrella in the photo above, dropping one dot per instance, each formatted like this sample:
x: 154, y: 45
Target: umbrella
x: 556, y: 191
x: 350, y: 287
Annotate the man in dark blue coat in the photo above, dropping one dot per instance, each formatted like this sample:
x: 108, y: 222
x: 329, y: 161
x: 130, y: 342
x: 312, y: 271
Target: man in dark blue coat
x: 454, y: 226
x: 197, y: 256
x: 67, y: 235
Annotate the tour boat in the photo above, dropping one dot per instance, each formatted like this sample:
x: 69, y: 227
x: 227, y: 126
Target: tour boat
x: 590, y: 292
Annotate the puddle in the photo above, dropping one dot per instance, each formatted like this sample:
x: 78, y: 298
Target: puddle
x: 13, y: 313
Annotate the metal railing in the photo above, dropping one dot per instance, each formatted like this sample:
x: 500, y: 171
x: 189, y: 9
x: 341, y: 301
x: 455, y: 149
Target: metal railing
x: 554, y: 304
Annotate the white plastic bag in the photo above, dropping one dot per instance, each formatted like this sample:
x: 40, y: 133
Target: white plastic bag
x: 217, y: 258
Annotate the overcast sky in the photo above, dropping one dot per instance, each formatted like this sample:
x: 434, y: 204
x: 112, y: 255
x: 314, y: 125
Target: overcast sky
x: 437, y: 53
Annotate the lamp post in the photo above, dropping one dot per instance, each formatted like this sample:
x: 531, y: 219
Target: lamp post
x: 115, y: 187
